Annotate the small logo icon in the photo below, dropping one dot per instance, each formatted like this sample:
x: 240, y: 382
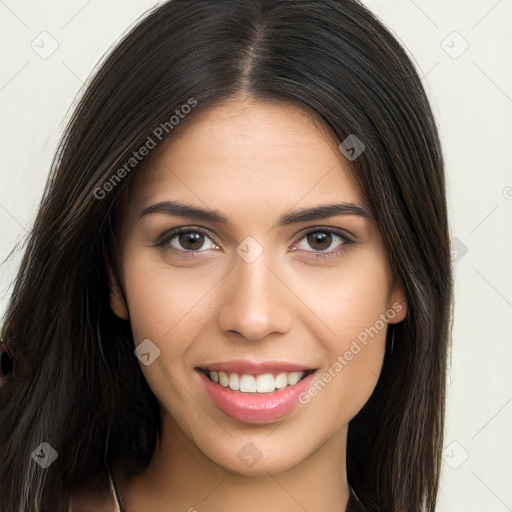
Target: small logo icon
x: 249, y: 250
x: 507, y: 193
x: 455, y: 455
x: 351, y: 147
x: 147, y: 352
x: 454, y: 45
x: 249, y: 454
x: 44, y: 45
x: 458, y: 249
x: 44, y: 455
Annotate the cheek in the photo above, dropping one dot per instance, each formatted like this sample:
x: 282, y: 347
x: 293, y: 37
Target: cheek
x: 166, y: 307
x: 352, y: 304
x: 350, y: 297
x: 171, y: 307
x: 165, y: 303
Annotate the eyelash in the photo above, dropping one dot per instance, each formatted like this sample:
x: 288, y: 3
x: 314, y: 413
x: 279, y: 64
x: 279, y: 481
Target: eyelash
x: 345, y: 241
x: 163, y: 241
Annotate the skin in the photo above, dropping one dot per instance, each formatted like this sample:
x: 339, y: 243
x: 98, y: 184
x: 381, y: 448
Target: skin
x: 252, y: 162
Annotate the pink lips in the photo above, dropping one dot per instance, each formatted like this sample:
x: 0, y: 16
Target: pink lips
x: 256, y: 407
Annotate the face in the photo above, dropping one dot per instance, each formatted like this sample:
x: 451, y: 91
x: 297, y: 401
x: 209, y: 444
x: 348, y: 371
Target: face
x: 250, y: 262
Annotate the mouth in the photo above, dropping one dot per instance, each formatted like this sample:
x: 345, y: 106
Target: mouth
x: 262, y: 383
x: 255, y: 392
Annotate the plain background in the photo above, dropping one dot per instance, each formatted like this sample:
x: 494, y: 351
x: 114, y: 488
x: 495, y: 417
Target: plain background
x: 462, y: 50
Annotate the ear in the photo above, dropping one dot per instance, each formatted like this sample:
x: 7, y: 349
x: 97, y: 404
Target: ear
x: 397, y: 304
x: 117, y: 298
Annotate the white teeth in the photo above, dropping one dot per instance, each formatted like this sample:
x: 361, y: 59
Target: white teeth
x: 264, y: 383
x: 282, y: 380
x: 294, y: 377
x: 247, y: 384
x: 234, y: 382
x: 223, y: 379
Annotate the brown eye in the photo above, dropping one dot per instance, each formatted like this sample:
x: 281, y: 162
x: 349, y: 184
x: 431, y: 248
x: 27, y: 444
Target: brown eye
x: 191, y: 240
x: 187, y: 240
x: 324, y: 242
x: 319, y: 240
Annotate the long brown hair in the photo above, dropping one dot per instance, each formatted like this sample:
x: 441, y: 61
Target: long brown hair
x: 78, y: 385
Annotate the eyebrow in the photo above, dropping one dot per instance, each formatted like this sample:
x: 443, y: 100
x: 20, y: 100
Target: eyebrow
x: 307, y: 214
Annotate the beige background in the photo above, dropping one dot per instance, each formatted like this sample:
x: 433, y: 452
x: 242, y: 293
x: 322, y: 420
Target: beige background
x: 471, y: 91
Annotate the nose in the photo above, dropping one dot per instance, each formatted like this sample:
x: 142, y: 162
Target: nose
x: 255, y: 302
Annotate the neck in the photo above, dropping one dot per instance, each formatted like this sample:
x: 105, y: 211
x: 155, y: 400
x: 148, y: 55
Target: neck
x: 181, y: 478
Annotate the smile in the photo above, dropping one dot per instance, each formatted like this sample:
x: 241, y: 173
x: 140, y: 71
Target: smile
x: 255, y: 392
x: 263, y: 383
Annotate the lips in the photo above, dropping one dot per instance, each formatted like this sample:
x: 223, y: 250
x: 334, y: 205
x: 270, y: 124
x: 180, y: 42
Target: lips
x: 255, y: 391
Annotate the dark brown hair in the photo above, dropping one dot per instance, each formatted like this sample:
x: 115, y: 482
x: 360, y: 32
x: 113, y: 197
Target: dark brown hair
x: 78, y: 385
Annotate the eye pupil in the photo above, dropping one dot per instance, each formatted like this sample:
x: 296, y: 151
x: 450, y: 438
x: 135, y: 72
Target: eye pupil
x: 191, y: 240
x: 319, y: 240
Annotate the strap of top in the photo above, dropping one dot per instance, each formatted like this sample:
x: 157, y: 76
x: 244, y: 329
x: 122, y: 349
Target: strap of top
x: 354, y: 503
x: 114, y: 491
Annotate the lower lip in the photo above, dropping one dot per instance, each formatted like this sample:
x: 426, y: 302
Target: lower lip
x: 256, y: 408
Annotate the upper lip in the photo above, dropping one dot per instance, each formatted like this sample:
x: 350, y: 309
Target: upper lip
x: 256, y: 367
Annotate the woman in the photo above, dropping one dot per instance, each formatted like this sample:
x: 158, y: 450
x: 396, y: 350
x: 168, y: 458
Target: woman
x: 237, y: 291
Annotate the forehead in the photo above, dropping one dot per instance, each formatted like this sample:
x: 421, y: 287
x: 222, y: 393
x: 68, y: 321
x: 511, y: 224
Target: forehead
x: 249, y: 154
